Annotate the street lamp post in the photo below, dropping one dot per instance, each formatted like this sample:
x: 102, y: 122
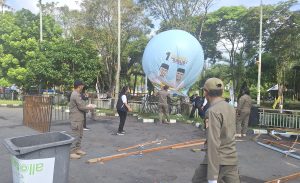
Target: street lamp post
x: 260, y: 51
x: 41, y: 21
x: 119, y: 52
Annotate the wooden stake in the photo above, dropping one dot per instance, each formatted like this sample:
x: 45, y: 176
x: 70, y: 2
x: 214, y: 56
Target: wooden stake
x: 285, y: 179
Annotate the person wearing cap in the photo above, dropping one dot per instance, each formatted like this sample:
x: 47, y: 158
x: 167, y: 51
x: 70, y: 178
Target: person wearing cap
x: 77, y: 110
x: 196, y: 104
x: 220, y: 161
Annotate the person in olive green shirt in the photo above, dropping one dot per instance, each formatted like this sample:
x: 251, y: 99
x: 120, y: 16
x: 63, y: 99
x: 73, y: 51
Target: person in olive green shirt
x: 220, y: 161
x: 77, y: 110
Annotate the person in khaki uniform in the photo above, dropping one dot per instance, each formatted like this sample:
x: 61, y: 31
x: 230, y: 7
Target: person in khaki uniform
x: 163, y: 104
x: 220, y: 161
x: 243, y: 113
x: 77, y: 110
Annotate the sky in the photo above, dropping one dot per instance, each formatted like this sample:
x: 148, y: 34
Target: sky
x: 32, y: 4
x: 74, y: 4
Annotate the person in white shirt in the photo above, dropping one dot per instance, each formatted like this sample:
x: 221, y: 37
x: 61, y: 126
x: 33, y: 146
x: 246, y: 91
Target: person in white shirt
x: 122, y: 108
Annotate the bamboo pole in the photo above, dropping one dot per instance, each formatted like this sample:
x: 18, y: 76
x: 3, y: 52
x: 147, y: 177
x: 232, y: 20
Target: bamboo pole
x: 122, y: 155
x: 187, y: 145
x: 275, y: 137
x: 279, y: 150
x: 141, y: 145
x: 286, y: 129
x: 280, y: 144
x: 285, y: 179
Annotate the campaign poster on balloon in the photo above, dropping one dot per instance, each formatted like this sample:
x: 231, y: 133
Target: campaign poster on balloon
x: 174, y: 58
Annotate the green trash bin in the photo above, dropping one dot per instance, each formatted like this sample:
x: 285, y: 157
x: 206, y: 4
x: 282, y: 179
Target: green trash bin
x: 41, y: 158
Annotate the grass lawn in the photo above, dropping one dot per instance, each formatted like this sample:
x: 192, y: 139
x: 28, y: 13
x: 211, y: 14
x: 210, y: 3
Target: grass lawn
x: 107, y: 111
x: 11, y: 102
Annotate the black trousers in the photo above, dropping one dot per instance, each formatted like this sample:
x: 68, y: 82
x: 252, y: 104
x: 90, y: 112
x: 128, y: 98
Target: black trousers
x: 193, y: 112
x: 122, y: 116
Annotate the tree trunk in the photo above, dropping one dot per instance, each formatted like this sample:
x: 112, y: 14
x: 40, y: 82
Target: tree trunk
x: 134, y: 85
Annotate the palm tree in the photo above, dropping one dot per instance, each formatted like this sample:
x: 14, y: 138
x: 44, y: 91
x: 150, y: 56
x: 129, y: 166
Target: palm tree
x: 4, y: 5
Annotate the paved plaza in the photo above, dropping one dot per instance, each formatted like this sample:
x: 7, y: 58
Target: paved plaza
x: 256, y: 163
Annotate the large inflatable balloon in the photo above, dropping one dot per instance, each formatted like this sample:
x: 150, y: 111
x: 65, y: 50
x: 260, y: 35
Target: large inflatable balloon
x: 174, y: 58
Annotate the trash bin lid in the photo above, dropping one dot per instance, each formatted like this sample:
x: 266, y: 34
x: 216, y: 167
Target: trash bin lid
x: 25, y: 144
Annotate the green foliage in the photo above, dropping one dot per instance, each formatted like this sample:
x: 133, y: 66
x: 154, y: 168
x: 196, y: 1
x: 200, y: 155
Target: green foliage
x: 237, y: 29
x: 4, y: 82
x: 54, y: 62
x: 10, y: 102
x: 83, y: 44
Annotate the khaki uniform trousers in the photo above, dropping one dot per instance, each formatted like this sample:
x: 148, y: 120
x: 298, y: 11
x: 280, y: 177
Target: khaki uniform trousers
x: 227, y: 174
x: 163, y: 111
x: 242, y: 121
x: 77, y: 132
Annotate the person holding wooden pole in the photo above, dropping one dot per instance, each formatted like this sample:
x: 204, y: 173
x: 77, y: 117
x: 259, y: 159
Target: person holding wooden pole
x: 77, y: 110
x: 163, y: 104
x: 220, y: 161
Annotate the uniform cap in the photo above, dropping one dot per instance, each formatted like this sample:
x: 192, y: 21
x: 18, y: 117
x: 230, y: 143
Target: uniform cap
x: 213, y: 84
x: 78, y: 83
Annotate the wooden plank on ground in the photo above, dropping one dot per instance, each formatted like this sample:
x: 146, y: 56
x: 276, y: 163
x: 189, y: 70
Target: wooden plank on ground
x: 141, y: 145
x: 280, y: 144
x: 187, y: 145
x: 107, y: 158
x: 286, y: 129
x: 286, y: 178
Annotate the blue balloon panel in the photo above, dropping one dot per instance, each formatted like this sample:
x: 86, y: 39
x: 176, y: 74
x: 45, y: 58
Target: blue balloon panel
x: 174, y: 58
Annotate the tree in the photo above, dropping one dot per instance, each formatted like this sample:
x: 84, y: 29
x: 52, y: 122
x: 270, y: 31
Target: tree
x: 226, y: 25
x: 236, y: 30
x: 177, y: 14
x: 100, y: 26
x: 64, y: 61
x: 4, y: 5
x: 54, y: 62
x: 12, y: 62
x: 284, y: 42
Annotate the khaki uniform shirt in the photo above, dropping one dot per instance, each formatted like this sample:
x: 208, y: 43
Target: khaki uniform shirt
x: 244, y: 104
x: 77, y: 107
x: 220, y: 131
x: 163, y: 97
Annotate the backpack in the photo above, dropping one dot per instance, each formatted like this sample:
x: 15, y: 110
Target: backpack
x: 120, y: 105
x: 198, y: 102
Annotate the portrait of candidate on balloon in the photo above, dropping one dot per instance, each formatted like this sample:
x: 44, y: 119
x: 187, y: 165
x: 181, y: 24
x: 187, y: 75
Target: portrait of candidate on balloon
x: 173, y: 58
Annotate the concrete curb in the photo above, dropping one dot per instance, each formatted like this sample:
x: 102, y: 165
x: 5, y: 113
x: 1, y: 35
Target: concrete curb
x: 12, y: 105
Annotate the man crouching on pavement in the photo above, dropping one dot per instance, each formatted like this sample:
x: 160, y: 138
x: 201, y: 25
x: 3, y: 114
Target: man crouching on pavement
x: 77, y: 110
x: 220, y: 161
